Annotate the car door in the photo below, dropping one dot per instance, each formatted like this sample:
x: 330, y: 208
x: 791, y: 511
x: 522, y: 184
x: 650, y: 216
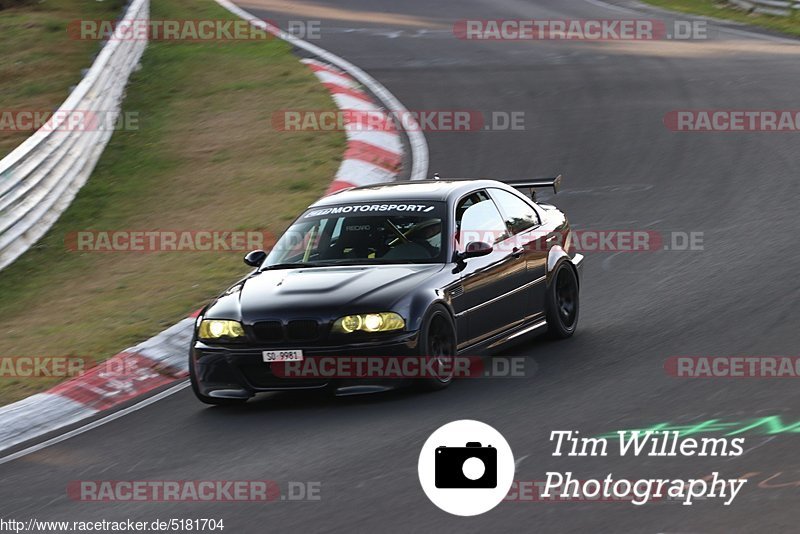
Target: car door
x: 530, y: 241
x: 490, y: 302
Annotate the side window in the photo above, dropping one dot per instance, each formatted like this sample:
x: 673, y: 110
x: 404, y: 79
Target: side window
x: 466, y: 202
x: 519, y: 216
x: 479, y: 220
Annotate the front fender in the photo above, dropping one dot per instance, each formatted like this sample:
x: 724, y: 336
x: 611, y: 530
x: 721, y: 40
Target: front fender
x: 558, y: 255
x: 415, y: 306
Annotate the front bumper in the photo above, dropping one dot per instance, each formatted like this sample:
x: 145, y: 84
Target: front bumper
x: 240, y: 372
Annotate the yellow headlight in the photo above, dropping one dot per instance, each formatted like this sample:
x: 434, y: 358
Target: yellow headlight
x: 351, y: 323
x: 369, y: 322
x: 219, y: 328
x: 373, y: 322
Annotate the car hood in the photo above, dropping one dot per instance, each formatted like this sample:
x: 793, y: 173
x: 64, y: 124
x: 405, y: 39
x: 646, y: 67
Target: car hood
x: 319, y: 291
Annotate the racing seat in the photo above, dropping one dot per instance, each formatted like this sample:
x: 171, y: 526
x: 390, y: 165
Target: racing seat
x: 359, y: 238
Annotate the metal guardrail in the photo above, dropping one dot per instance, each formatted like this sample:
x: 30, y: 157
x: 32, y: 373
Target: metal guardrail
x: 41, y: 177
x: 779, y: 8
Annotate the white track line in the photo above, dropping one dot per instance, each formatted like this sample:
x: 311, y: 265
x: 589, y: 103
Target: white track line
x: 94, y: 424
x: 612, y: 7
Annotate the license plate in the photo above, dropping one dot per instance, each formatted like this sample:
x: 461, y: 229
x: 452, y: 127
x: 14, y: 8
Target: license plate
x: 283, y: 355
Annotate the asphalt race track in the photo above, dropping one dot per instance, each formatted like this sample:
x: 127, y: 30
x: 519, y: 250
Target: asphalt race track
x: 594, y: 111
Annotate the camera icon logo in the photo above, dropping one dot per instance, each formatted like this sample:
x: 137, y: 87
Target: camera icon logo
x: 472, y: 466
x: 466, y: 467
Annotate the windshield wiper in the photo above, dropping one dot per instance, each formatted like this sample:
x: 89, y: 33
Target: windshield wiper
x: 368, y: 261
x: 338, y: 263
x: 295, y: 265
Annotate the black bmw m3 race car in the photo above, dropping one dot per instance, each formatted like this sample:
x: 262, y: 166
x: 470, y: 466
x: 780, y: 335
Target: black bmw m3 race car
x: 429, y: 269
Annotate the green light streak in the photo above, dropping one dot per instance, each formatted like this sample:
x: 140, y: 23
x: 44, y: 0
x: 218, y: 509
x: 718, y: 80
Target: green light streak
x: 769, y: 426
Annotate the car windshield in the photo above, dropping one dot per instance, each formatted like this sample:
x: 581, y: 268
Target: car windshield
x: 368, y: 233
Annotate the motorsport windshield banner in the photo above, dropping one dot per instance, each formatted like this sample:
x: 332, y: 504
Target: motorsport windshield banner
x: 372, y: 208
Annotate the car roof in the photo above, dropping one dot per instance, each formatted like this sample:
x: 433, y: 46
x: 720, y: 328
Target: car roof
x: 408, y: 190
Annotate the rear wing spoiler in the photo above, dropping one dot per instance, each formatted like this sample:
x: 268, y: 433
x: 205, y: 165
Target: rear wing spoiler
x: 537, y: 183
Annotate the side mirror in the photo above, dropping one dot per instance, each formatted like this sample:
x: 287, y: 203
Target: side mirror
x: 476, y: 249
x: 255, y: 258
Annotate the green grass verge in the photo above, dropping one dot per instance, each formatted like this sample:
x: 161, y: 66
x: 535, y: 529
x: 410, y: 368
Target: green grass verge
x: 205, y: 157
x: 723, y: 10
x: 39, y: 63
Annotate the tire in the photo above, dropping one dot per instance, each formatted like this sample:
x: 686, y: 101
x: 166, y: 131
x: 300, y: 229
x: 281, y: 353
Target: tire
x: 210, y: 400
x: 562, y: 303
x: 438, y: 340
